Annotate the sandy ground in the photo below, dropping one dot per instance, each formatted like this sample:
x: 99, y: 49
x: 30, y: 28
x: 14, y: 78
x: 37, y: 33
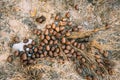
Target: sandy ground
x: 17, y: 18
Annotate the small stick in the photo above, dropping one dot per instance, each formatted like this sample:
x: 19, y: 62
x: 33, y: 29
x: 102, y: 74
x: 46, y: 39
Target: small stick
x: 83, y: 53
x: 64, y: 56
x: 75, y: 35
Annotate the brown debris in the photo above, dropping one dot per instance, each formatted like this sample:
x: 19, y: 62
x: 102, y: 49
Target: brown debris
x: 41, y: 19
x: 10, y: 58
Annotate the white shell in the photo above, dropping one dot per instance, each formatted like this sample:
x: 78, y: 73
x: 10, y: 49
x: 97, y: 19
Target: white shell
x: 19, y: 46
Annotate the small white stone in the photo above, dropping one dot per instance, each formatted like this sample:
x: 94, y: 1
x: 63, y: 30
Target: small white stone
x: 27, y: 49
